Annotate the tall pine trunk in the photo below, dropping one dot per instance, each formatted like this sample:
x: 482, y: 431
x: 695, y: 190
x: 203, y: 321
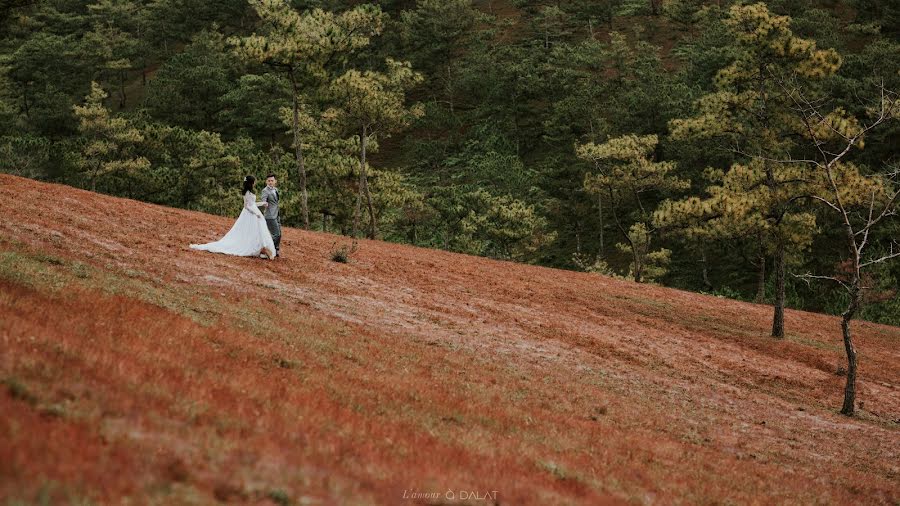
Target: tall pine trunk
x: 703, y: 260
x: 772, y: 184
x: 121, y: 89
x: 600, y: 214
x: 298, y: 153
x: 638, y: 265
x: 761, y: 274
x: 373, y: 223
x: 25, y: 100
x: 778, y: 319
x: 361, y: 185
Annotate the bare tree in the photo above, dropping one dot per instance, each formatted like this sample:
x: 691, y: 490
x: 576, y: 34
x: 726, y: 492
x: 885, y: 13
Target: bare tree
x: 861, y: 203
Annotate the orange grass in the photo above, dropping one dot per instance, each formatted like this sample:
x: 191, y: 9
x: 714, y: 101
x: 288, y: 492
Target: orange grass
x: 135, y: 368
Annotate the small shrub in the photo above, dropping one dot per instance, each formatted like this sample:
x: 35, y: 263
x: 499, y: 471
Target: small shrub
x: 80, y: 270
x: 725, y: 292
x: 53, y: 411
x: 18, y: 391
x: 279, y: 497
x: 598, y: 412
x: 176, y: 470
x: 341, y: 254
x: 226, y: 492
x: 285, y: 363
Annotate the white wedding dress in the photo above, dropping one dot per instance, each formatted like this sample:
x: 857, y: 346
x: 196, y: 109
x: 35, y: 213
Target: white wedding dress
x: 248, y: 237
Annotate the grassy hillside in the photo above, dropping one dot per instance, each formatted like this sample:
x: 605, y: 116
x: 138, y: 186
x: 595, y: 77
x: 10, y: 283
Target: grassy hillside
x: 134, y: 367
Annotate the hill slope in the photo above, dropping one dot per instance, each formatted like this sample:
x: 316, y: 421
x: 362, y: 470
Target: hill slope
x: 135, y: 367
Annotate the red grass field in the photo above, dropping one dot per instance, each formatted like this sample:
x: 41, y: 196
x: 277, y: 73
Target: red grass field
x: 136, y: 370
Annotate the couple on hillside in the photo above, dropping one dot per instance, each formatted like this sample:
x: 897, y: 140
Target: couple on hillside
x: 254, y: 233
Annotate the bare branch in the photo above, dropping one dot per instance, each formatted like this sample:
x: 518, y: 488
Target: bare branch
x: 894, y: 252
x: 889, y: 209
x: 780, y: 161
x: 807, y: 277
x: 826, y: 202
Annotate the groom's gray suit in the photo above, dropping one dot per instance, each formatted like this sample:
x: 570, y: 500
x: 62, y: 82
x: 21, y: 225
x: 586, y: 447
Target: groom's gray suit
x: 270, y: 196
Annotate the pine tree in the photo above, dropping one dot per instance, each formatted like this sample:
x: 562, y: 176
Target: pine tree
x: 625, y: 171
x: 751, y: 115
x: 110, y: 142
x: 305, y: 47
x: 373, y: 104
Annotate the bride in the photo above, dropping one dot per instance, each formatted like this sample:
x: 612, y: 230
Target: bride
x: 249, y: 236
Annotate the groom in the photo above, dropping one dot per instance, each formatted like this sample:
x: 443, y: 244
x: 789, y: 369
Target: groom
x: 270, y: 202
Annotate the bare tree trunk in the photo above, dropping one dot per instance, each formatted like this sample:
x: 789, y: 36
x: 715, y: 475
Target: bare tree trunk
x: 95, y: 176
x: 516, y: 121
x: 772, y: 184
x: 357, y: 210
x: 849, y: 406
x: 778, y: 319
x: 298, y: 153
x: 634, y: 250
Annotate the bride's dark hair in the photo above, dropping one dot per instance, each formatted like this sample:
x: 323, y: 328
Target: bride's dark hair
x: 249, y: 181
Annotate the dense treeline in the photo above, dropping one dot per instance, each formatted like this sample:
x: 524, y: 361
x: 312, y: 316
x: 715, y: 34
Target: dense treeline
x: 657, y: 140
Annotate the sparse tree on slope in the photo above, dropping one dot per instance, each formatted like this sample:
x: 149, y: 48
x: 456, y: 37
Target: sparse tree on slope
x: 752, y: 116
x: 372, y: 104
x: 860, y: 203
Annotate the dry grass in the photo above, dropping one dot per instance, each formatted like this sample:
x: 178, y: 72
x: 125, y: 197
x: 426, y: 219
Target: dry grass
x: 135, y: 369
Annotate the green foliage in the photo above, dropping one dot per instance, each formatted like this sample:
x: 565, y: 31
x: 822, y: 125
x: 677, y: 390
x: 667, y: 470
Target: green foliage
x: 648, y: 266
x: 375, y: 100
x: 26, y: 155
x: 253, y: 107
x: 625, y: 172
x: 499, y: 227
x: 750, y: 110
x: 109, y: 152
x: 683, y: 11
x: 469, y: 139
x: 188, y: 89
x: 46, y: 81
x: 308, y: 42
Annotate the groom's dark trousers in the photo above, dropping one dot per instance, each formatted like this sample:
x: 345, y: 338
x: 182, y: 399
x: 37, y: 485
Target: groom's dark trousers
x: 274, y: 225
